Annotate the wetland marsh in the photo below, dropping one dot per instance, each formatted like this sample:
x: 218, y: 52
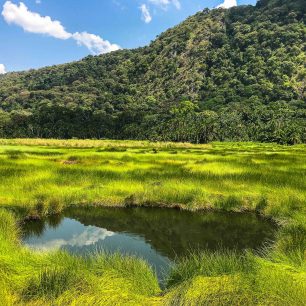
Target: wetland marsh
x: 166, y: 198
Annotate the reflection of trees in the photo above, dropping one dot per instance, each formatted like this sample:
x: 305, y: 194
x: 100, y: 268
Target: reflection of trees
x: 55, y: 221
x: 33, y: 228
x: 37, y: 227
x: 173, y: 232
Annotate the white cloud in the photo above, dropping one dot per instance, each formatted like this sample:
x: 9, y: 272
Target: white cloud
x: 38, y: 1
x: 34, y: 23
x: 94, y: 43
x: 145, y: 14
x: 2, y: 69
x: 227, y: 4
x: 90, y: 236
x: 177, y: 4
x: 165, y: 3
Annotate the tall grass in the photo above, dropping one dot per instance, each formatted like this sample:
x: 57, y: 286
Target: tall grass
x: 226, y: 278
x: 39, y: 177
x: 209, y: 264
x: 29, y: 278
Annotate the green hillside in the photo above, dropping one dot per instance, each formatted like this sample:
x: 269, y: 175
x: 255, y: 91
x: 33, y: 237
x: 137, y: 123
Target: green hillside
x: 235, y: 74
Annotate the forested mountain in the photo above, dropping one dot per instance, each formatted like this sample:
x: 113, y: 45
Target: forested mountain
x: 236, y: 74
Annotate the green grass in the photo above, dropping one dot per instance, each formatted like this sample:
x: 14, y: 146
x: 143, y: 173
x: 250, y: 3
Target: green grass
x: 230, y: 279
x: 39, y: 177
x: 42, y: 179
x: 29, y: 278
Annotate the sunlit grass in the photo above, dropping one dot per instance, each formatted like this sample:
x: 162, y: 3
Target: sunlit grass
x: 142, y: 173
x: 39, y: 177
x: 29, y: 278
x: 226, y: 279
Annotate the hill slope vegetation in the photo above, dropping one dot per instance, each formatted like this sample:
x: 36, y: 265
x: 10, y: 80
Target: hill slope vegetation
x: 236, y: 74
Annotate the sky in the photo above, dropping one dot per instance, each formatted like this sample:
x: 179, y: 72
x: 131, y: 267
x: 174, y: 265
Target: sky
x: 38, y: 33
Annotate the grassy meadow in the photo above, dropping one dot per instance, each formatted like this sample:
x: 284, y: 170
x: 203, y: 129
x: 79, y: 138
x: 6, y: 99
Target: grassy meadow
x: 40, y: 177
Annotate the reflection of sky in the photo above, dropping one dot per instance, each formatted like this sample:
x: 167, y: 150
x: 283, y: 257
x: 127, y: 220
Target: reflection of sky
x: 77, y: 238
x: 89, y: 236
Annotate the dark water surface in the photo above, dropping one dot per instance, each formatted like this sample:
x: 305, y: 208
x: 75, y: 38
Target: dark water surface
x: 156, y: 235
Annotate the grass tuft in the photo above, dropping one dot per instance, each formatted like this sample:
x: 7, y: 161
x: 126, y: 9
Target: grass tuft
x: 40, y: 177
x: 51, y: 283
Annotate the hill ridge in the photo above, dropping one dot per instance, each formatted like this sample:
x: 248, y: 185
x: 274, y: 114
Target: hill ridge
x: 236, y: 74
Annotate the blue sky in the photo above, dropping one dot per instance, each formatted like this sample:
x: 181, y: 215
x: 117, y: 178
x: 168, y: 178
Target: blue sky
x: 37, y: 33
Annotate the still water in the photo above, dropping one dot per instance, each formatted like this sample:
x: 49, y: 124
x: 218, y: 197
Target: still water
x: 157, y: 235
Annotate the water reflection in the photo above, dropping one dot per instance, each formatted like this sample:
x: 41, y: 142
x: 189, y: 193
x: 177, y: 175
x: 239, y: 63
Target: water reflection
x: 157, y: 235
x: 53, y: 240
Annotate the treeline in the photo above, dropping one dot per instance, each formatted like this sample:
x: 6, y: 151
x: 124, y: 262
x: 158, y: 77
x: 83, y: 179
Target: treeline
x: 277, y: 122
x: 243, y: 69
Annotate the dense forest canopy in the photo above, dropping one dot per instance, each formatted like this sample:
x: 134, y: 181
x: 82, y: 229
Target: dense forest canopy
x: 236, y: 74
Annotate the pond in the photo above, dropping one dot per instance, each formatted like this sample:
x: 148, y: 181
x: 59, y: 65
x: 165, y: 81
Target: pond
x: 157, y: 235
